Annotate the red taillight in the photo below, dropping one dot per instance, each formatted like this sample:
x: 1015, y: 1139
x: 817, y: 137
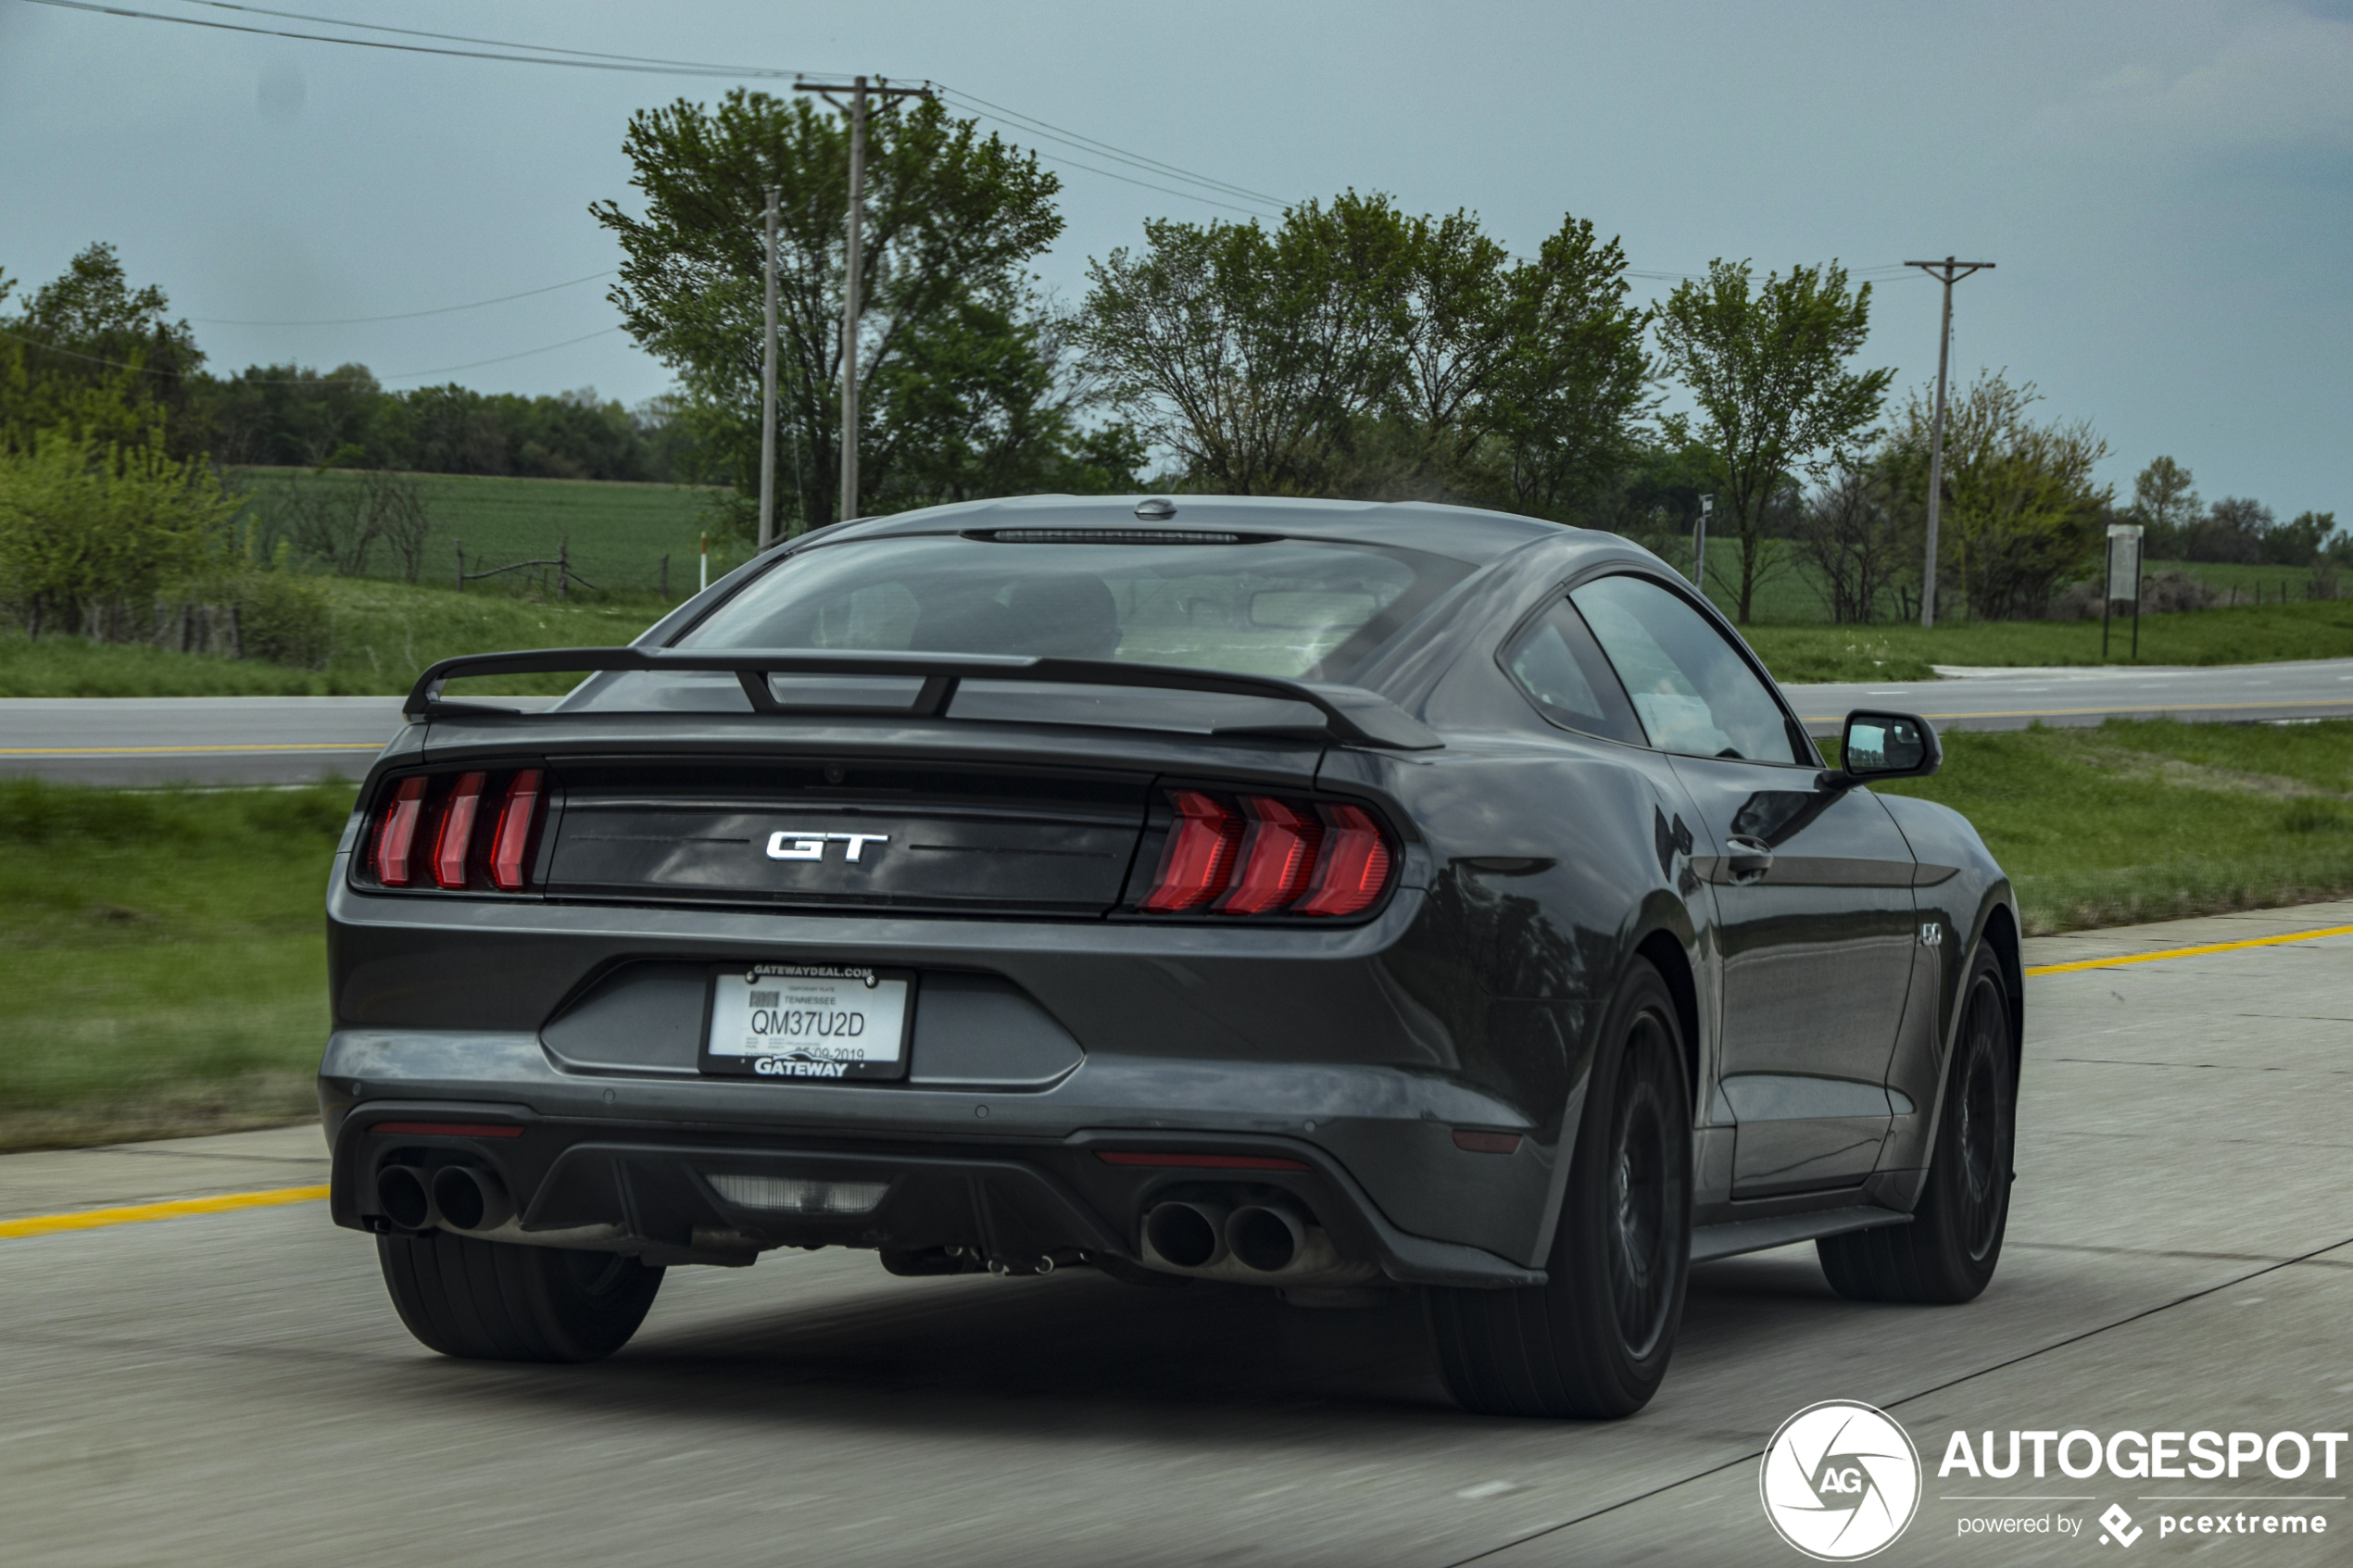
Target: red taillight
x: 457, y: 831
x: 515, y: 820
x: 1200, y: 856
x: 398, y: 833
x: 1278, y: 856
x: 1269, y: 857
x: 1353, y: 867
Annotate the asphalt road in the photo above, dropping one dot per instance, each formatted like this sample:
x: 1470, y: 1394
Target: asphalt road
x: 235, y: 1388
x: 207, y: 740
x: 2011, y: 700
x: 269, y: 740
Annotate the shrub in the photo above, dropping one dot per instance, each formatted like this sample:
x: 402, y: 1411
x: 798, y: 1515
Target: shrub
x: 284, y: 619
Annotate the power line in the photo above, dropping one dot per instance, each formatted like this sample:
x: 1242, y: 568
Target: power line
x: 550, y: 348
x: 643, y: 64
x: 1085, y: 143
x: 542, y: 59
x: 406, y: 315
x: 493, y: 43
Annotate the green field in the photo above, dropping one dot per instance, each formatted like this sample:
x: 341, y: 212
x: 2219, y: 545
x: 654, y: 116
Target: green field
x: 384, y: 633
x: 617, y: 533
x: 166, y: 961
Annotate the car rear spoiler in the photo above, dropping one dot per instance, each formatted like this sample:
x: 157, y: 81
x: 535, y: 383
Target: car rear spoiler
x: 1353, y: 716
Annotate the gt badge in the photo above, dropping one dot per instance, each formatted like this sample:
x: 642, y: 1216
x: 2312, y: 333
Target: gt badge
x: 791, y: 845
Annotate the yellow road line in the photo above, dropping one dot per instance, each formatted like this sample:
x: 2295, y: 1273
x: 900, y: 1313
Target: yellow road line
x: 132, y: 1214
x: 2190, y: 952
x: 2131, y: 707
x: 179, y: 750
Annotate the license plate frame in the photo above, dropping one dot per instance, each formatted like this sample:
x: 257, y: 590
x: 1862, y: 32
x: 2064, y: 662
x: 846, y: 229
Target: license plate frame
x: 836, y: 1018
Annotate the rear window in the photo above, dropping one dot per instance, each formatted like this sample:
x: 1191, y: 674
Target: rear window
x: 1291, y: 608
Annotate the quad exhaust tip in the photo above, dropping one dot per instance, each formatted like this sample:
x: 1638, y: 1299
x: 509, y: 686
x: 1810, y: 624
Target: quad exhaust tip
x: 1195, y: 1233
x: 1189, y: 1234
x: 1265, y: 1236
x: 458, y: 1197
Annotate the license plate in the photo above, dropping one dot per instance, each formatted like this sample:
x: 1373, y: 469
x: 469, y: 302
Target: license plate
x: 812, y: 1022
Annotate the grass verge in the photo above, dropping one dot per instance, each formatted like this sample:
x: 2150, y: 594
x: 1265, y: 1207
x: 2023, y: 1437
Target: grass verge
x: 2250, y: 635
x: 166, y: 963
x: 166, y: 959
x: 2152, y: 820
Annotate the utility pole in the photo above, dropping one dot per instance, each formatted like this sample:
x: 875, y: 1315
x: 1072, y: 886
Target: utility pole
x: 1699, y: 545
x: 1952, y: 272
x: 768, y: 381
x: 860, y: 90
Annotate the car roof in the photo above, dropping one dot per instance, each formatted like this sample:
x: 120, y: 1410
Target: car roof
x: 1465, y: 534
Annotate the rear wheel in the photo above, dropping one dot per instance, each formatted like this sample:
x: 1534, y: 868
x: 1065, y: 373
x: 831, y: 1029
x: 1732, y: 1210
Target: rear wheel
x: 494, y: 1300
x: 1594, y: 1340
x: 1948, y: 1252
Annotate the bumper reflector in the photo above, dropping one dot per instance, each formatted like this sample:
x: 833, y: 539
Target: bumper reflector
x: 1474, y: 1142
x: 796, y: 1195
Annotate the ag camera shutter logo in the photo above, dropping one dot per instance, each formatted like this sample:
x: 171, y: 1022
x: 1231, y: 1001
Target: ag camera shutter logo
x: 1840, y: 1481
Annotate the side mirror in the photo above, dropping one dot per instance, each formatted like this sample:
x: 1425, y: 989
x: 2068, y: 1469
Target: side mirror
x: 1874, y: 746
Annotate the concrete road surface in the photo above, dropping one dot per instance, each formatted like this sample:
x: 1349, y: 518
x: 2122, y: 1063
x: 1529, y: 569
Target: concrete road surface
x: 265, y: 740
x: 2011, y: 700
x: 234, y: 1387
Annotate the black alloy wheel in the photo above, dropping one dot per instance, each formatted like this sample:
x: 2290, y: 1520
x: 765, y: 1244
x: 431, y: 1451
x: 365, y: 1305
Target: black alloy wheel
x: 495, y: 1300
x: 1594, y: 1340
x: 1948, y: 1253
x: 1644, y: 1188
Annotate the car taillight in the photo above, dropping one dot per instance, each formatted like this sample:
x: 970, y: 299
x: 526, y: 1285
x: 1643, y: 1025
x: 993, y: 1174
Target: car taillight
x: 1200, y: 856
x: 396, y: 832
x: 442, y: 830
x: 1352, y: 868
x: 457, y: 831
x: 1278, y: 856
x: 1268, y: 856
x: 515, y: 820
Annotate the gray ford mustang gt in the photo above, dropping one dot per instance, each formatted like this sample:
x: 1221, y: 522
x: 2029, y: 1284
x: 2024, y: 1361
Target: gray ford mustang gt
x: 1332, y: 897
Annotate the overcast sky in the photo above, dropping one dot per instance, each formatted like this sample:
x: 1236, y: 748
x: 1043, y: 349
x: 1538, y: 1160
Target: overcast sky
x: 2167, y: 187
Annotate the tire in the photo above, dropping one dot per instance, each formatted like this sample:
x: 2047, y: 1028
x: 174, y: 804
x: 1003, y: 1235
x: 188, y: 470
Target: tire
x: 1948, y: 1252
x: 1594, y: 1341
x: 497, y: 1302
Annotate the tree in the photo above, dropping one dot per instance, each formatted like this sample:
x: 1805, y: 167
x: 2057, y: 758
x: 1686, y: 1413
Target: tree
x: 1353, y: 350
x: 90, y: 531
x: 1766, y: 366
x: 2020, y: 514
x: 953, y: 325
x: 2237, y: 529
x: 2303, y: 542
x: 1252, y: 355
x: 90, y: 353
x: 1859, y: 539
x: 1576, y: 382
x: 2165, y: 504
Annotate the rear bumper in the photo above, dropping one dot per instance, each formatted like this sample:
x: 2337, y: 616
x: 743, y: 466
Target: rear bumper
x: 623, y: 1162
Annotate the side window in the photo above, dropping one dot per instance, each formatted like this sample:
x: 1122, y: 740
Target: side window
x: 1556, y: 662
x: 1694, y: 693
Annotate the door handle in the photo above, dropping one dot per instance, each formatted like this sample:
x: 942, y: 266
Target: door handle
x: 1749, y: 859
